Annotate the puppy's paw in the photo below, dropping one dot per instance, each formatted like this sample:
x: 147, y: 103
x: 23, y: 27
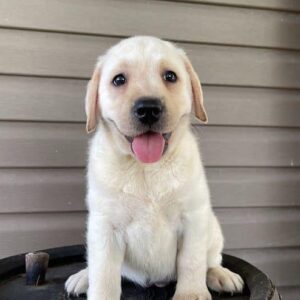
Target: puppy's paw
x: 78, y: 283
x: 203, y: 295
x: 221, y: 279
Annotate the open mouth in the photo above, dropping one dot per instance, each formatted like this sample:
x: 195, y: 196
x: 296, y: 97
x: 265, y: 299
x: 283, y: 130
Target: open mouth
x: 150, y: 146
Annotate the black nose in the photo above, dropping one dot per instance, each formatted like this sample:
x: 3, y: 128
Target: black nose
x: 148, y: 110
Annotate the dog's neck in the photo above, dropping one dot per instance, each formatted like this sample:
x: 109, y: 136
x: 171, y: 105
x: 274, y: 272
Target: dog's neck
x: 172, y: 171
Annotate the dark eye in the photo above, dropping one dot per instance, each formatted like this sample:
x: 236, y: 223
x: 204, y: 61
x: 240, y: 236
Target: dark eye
x: 119, y: 79
x: 170, y: 76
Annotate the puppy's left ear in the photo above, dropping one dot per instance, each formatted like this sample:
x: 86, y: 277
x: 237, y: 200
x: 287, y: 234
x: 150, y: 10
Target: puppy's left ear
x: 199, y: 109
x: 92, y: 106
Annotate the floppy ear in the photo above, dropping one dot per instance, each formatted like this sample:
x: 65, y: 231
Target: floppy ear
x: 199, y: 109
x: 92, y: 102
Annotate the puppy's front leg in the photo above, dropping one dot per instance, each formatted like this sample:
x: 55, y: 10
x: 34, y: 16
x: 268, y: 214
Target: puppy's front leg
x: 192, y: 258
x: 105, y: 257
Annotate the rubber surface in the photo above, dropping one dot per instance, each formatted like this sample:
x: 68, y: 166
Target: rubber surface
x: 66, y: 261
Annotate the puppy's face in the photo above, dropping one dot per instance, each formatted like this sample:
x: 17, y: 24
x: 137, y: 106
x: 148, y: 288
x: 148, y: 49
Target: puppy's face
x: 145, y: 91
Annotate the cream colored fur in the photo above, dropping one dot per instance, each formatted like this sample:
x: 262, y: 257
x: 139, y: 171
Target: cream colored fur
x: 150, y: 223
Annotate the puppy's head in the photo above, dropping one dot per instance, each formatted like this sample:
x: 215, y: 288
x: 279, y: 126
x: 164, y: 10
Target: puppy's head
x: 143, y: 90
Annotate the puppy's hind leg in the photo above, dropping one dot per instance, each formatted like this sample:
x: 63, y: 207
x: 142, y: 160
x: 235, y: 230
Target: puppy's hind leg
x: 218, y: 278
x: 77, y: 283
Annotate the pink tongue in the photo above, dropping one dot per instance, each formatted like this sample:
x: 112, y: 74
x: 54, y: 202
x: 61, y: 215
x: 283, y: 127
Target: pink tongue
x: 148, y: 147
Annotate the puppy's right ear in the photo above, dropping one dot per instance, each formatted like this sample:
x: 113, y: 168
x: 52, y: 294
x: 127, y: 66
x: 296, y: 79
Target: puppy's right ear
x: 92, y: 106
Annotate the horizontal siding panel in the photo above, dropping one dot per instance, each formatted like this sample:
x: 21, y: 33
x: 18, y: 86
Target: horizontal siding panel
x: 260, y: 227
x: 247, y: 187
x: 281, y: 264
x: 200, y: 23
x: 64, y: 145
x: 21, y: 233
x: 48, y: 54
x: 245, y: 66
x: 42, y: 145
x: 290, y: 293
x: 252, y: 106
x: 42, y: 99
x: 38, y: 190
x: 50, y: 190
x: 249, y: 146
x: 285, y: 5
x: 52, y: 99
x: 243, y: 228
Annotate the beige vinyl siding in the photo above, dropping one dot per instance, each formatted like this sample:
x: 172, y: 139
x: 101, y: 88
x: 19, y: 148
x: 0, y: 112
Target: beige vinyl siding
x: 283, y: 5
x: 73, y: 56
x: 177, y: 21
x: 244, y: 228
x: 247, y: 55
x: 31, y: 144
x: 61, y: 189
x: 290, y: 293
x: 260, y: 106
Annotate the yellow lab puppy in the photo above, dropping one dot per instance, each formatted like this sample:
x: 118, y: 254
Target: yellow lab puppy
x: 150, y: 217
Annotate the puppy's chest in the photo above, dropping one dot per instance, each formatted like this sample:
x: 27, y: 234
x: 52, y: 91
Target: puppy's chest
x: 146, y: 205
x: 151, y: 182
x: 153, y: 233
x: 152, y: 216
x: 156, y: 209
